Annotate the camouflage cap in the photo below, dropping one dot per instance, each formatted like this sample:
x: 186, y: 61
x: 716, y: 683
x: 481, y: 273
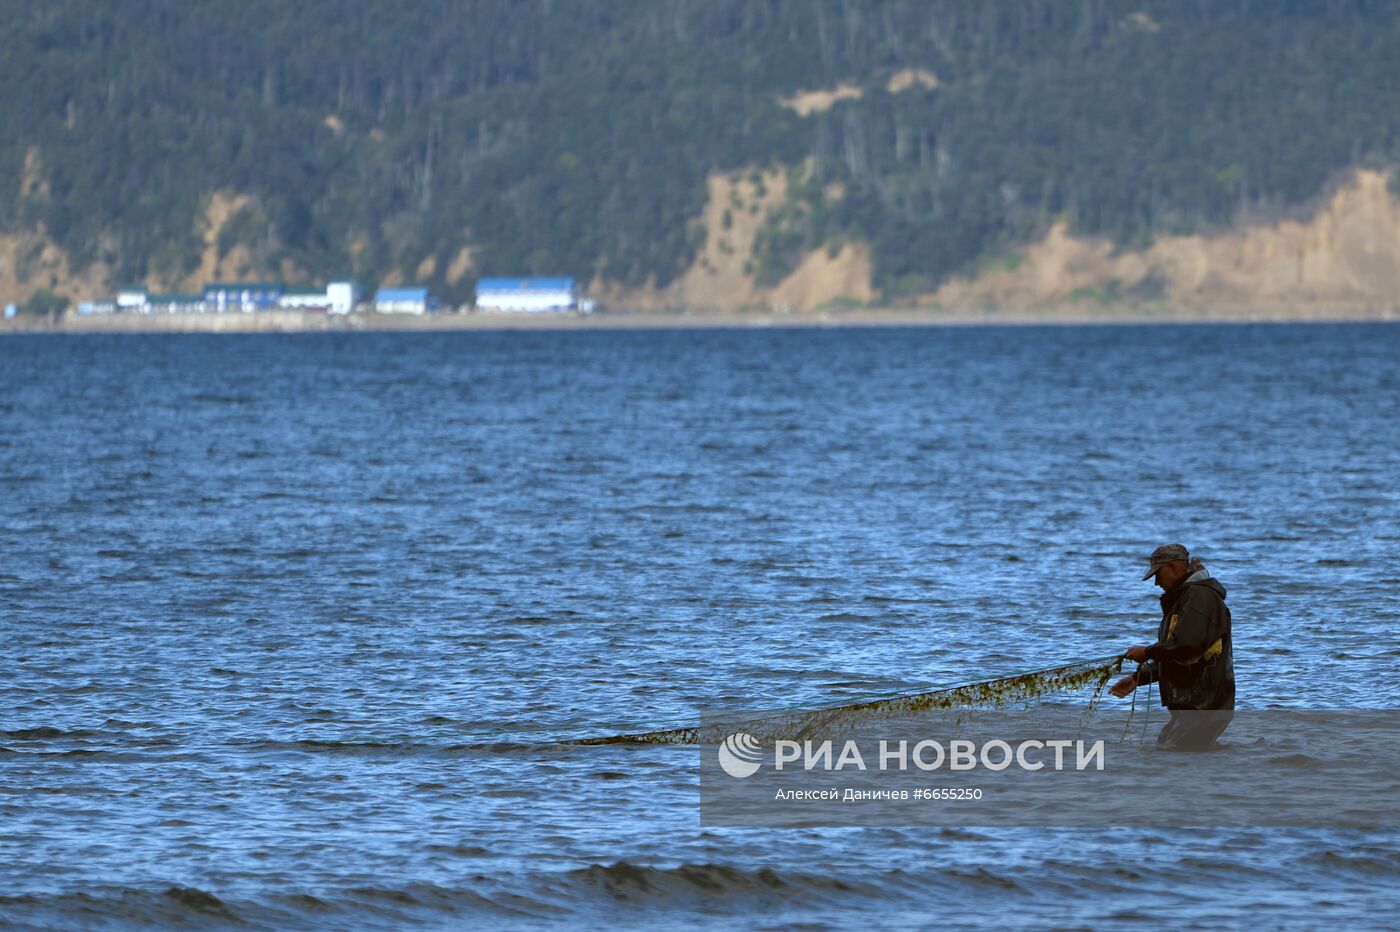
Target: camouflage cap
x: 1167, y: 553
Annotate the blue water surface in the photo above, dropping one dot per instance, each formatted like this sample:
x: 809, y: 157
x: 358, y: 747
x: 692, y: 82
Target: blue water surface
x: 288, y: 623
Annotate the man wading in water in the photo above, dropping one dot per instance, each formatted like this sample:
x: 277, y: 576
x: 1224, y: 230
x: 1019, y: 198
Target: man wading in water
x: 1191, y: 660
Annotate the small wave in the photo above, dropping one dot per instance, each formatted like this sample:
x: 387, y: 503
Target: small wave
x: 417, y: 898
x: 461, y: 851
x: 630, y: 882
x: 316, y: 746
x: 495, y: 747
x: 1220, y: 866
x: 984, y: 878
x: 854, y: 684
x: 121, y: 724
x: 218, y: 398
x: 1301, y: 761
x: 173, y: 906
x: 1387, y: 862
x: 46, y: 733
x: 198, y: 901
x: 191, y: 907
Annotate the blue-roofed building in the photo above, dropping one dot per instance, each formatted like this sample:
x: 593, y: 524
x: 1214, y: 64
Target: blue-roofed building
x: 241, y: 296
x: 537, y: 295
x: 175, y: 304
x: 404, y: 301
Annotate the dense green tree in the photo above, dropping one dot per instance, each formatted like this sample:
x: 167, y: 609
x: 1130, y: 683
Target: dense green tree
x: 574, y: 136
x: 44, y: 302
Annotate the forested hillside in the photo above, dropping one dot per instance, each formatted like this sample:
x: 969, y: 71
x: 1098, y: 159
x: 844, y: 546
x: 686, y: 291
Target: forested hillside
x: 448, y: 138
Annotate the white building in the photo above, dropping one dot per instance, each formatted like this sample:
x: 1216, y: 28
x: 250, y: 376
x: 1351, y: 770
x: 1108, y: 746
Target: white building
x: 403, y: 301
x: 530, y: 295
x: 131, y: 298
x: 342, y: 294
x: 339, y: 297
x: 304, y: 299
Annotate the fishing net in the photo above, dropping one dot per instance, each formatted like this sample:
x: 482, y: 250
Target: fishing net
x: 1011, y: 691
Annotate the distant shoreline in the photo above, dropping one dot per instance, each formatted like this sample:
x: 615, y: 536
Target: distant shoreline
x: 306, y: 322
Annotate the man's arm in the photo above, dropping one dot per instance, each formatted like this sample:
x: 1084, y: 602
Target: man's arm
x: 1145, y: 675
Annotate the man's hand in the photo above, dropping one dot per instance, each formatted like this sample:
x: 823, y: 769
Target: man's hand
x: 1137, y: 654
x: 1124, y: 686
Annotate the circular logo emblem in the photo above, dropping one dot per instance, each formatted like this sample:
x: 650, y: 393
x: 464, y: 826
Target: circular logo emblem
x: 740, y: 754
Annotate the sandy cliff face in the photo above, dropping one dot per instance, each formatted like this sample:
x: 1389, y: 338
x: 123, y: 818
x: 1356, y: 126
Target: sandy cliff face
x: 722, y: 277
x: 234, y: 265
x: 737, y: 206
x: 824, y: 277
x: 1345, y: 257
x: 30, y: 260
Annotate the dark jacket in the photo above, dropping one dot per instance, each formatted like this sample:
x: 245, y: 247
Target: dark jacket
x: 1192, y: 660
